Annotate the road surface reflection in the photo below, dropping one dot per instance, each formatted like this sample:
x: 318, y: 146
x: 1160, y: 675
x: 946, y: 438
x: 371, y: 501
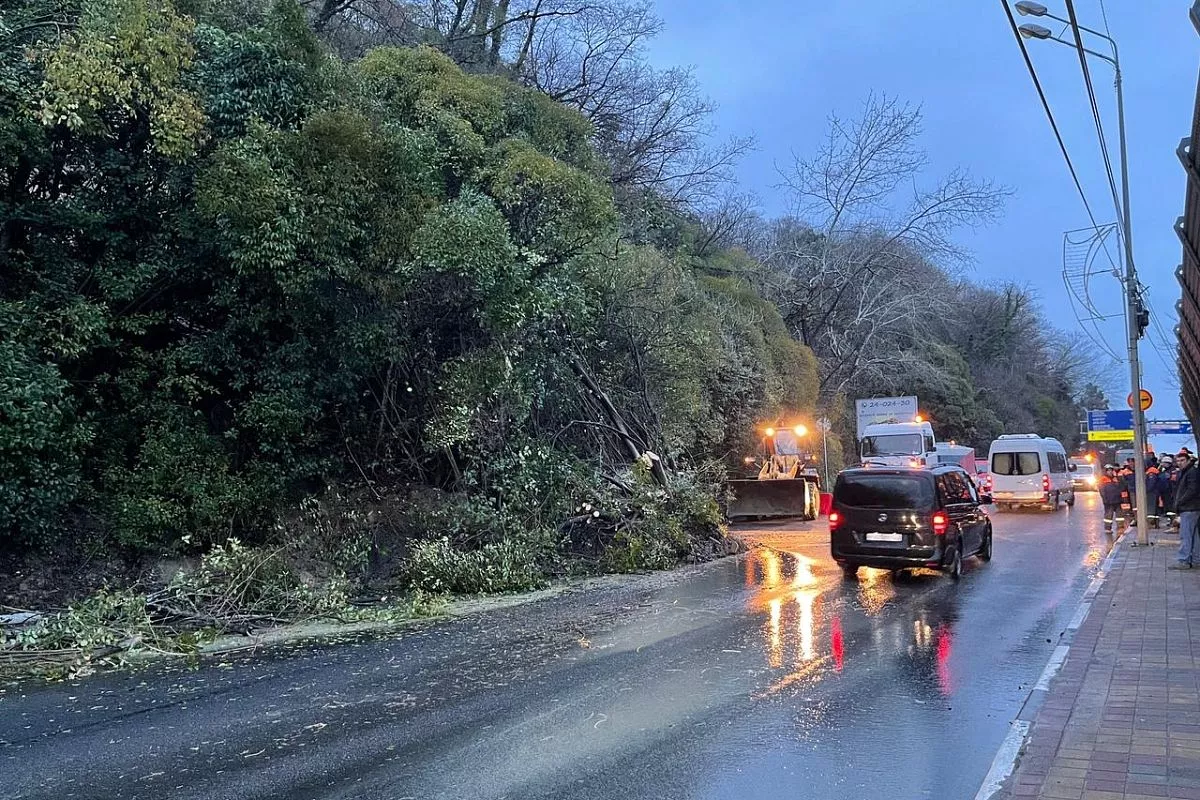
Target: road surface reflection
x: 815, y: 624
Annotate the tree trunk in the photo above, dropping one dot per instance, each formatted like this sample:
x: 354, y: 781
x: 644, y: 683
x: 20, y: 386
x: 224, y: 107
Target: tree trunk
x: 657, y: 470
x: 498, y: 27
x: 329, y: 10
x: 475, y: 37
x: 460, y: 10
x: 527, y: 45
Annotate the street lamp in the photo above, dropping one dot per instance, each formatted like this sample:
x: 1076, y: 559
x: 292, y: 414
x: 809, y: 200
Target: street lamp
x: 1027, y: 9
x: 1030, y: 31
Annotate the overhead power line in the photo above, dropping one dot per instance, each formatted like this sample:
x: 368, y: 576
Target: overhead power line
x: 1096, y: 118
x: 1160, y: 343
x: 1037, y: 84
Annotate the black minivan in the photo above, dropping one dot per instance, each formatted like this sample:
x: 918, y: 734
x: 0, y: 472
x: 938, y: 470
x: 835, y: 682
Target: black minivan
x: 899, y: 518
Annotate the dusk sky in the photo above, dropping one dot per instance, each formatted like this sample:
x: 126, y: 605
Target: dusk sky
x: 777, y: 69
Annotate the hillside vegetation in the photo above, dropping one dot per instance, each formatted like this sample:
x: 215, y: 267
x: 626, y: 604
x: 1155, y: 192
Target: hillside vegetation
x: 460, y: 284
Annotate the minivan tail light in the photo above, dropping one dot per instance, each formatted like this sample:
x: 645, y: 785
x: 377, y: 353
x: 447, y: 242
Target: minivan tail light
x: 1045, y: 482
x: 835, y: 519
x: 940, y: 522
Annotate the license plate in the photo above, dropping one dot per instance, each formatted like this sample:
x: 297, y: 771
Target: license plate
x: 885, y: 537
x: 1003, y: 494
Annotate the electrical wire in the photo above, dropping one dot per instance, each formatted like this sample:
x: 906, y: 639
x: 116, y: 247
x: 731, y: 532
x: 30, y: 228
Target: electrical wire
x: 1096, y: 118
x: 1140, y: 293
x: 1096, y: 339
x: 1062, y: 146
x: 1162, y: 343
x: 1165, y: 342
x: 1037, y: 84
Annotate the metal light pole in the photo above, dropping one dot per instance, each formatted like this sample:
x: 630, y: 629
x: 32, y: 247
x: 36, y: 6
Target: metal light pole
x: 824, y: 424
x: 1130, y: 279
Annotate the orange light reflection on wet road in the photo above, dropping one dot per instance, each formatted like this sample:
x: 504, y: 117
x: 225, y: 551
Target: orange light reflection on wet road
x: 788, y: 590
x: 806, y: 598
x: 874, y: 590
x: 775, y: 639
x: 795, y: 593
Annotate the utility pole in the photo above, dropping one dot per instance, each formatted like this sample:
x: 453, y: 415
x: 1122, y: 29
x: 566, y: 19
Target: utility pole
x: 1133, y: 305
x: 1133, y: 311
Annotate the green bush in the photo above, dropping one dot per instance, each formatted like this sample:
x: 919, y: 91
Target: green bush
x: 40, y: 444
x: 438, y: 567
x: 181, y: 485
x: 651, y: 527
x: 234, y: 581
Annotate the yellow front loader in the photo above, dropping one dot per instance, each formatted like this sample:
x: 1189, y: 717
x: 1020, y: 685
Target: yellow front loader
x: 783, y: 489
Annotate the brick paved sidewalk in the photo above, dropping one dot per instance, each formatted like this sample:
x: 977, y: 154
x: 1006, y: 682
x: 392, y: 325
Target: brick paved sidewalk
x: 1122, y: 717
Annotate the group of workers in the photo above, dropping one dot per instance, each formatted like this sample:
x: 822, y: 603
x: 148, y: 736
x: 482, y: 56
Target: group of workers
x: 1162, y: 482
x: 1172, y: 495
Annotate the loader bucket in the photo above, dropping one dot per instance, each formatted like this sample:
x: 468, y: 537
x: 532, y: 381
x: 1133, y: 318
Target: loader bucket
x: 795, y: 497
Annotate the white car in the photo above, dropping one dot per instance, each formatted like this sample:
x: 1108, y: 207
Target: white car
x: 1084, y: 478
x: 1029, y: 470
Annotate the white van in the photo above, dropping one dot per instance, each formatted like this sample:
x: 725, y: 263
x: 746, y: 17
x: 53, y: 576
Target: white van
x: 1028, y: 470
x: 899, y: 444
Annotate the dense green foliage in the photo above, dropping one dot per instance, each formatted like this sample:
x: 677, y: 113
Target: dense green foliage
x: 253, y: 253
x: 236, y: 269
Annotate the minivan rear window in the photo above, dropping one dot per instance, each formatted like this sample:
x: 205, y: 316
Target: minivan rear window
x: 1016, y: 464
x: 884, y: 491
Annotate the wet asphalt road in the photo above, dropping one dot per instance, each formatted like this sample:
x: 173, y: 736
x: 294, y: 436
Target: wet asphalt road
x: 761, y: 677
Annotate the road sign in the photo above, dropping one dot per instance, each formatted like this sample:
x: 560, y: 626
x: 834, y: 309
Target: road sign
x: 1147, y: 399
x: 1119, y: 420
x: 1110, y: 435
x: 1170, y: 428
x: 1110, y: 426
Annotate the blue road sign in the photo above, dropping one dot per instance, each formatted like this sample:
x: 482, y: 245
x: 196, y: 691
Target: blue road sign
x: 1170, y: 427
x: 1119, y: 420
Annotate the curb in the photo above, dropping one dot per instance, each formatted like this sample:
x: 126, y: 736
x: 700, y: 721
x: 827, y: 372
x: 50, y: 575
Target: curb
x: 1006, y: 758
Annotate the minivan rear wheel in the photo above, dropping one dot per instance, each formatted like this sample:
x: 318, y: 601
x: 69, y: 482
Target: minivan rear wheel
x: 850, y: 571
x: 953, y: 568
x: 985, y: 550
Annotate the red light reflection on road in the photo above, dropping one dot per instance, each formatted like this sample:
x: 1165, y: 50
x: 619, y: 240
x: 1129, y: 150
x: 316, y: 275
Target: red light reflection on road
x: 838, y: 645
x: 944, y: 640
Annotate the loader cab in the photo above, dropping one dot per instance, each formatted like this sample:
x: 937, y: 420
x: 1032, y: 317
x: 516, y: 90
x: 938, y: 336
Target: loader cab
x: 899, y: 444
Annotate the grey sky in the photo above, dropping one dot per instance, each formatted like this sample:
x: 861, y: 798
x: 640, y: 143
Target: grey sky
x: 777, y: 69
